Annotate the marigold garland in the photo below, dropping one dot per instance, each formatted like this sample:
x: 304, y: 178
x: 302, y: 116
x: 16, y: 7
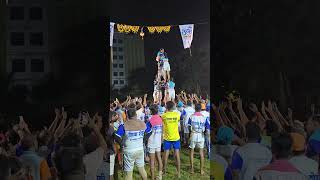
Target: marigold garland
x: 151, y: 29
x: 135, y: 29
x: 127, y: 28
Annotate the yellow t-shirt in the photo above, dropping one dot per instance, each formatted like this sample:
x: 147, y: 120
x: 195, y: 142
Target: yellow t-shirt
x: 171, y: 126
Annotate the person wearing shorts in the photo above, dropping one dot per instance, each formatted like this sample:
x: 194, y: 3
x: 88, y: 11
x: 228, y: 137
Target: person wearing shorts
x: 163, y: 64
x: 154, y: 142
x: 197, y: 126
x: 172, y: 92
x: 166, y: 68
x: 171, y: 120
x: 132, y: 134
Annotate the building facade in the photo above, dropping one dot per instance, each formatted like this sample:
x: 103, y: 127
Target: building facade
x: 127, y: 56
x: 27, y: 56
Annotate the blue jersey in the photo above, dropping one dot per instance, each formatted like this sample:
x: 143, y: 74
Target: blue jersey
x: 171, y: 85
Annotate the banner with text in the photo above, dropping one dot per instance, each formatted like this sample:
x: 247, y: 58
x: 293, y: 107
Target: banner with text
x: 186, y: 34
x: 111, y: 33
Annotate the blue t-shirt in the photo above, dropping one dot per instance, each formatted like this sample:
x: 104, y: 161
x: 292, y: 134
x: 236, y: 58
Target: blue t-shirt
x: 171, y: 84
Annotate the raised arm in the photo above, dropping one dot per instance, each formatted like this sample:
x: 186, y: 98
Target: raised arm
x: 243, y: 117
x: 54, y: 124
x: 218, y: 116
x: 102, y: 142
x: 274, y: 118
x: 280, y: 116
x: 263, y: 111
x: 145, y: 100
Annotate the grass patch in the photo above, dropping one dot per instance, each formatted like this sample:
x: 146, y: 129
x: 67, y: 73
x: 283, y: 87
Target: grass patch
x: 185, y: 168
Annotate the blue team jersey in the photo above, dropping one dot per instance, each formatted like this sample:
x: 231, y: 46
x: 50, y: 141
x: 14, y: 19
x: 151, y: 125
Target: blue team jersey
x: 171, y: 84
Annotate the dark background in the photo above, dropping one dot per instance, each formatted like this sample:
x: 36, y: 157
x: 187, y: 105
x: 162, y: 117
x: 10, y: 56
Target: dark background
x: 268, y: 50
x: 188, y: 72
x: 81, y: 78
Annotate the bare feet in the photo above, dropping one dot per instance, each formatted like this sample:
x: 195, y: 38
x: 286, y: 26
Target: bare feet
x: 202, y: 172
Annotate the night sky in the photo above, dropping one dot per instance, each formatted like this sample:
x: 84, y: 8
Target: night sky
x: 164, y: 13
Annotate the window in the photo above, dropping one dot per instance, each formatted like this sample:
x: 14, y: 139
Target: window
x: 114, y: 49
x: 18, y: 65
x: 120, y: 65
x: 121, y: 73
x: 121, y: 57
x: 120, y: 49
x: 35, y: 13
x: 37, y: 65
x: 121, y: 81
x: 115, y: 73
x: 17, y: 38
x: 115, y: 82
x: 36, y: 39
x: 16, y: 13
x: 115, y: 57
x: 120, y: 41
x: 114, y: 41
x: 115, y: 65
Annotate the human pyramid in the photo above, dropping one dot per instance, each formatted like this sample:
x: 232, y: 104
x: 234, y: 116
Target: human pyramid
x: 163, y: 83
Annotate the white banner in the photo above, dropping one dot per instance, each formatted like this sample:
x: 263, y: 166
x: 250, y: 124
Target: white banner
x: 111, y: 33
x: 186, y: 34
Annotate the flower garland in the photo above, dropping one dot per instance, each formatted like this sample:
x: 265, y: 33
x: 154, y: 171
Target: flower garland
x: 122, y: 28
x: 127, y: 28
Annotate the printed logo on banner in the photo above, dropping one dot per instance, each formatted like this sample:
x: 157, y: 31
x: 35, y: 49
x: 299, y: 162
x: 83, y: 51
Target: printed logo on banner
x: 186, y: 34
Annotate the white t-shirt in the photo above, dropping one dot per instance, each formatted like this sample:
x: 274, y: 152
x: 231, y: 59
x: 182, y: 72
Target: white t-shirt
x: 92, y: 162
x: 250, y: 158
x: 305, y: 165
x: 140, y: 114
x: 155, y: 124
x: 187, y: 113
x: 198, y: 126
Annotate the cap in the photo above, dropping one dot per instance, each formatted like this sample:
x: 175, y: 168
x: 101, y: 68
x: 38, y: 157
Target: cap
x: 298, y: 142
x: 180, y: 104
x: 203, y: 106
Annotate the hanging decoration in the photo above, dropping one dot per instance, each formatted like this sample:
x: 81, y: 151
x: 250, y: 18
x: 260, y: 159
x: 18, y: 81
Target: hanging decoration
x: 151, y: 29
x: 142, y: 33
x: 127, y: 28
x: 186, y: 31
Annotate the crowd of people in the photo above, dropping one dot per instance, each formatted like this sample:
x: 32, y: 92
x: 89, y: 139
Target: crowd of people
x: 100, y: 145
x: 263, y: 143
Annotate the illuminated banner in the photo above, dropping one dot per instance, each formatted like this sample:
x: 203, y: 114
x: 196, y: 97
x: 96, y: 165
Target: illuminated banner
x: 186, y: 34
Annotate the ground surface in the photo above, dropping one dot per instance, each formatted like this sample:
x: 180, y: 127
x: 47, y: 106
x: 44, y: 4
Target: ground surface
x: 185, y: 168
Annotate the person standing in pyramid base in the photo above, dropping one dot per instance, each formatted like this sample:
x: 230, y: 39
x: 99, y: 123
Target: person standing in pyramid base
x: 163, y: 65
x: 171, y: 91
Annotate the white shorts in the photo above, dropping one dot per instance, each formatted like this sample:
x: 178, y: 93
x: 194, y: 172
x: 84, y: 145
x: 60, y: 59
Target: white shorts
x: 153, y: 150
x: 194, y: 144
x: 196, y: 140
x: 133, y: 158
x: 172, y: 93
x: 166, y: 66
x: 111, y: 164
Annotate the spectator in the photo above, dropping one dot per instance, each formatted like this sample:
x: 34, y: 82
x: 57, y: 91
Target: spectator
x: 198, y: 125
x: 280, y: 167
x: 171, y: 135
x: 132, y: 132
x: 37, y: 167
x: 154, y: 142
x: 246, y: 160
x: 223, y: 146
x: 304, y: 164
x: 95, y: 147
